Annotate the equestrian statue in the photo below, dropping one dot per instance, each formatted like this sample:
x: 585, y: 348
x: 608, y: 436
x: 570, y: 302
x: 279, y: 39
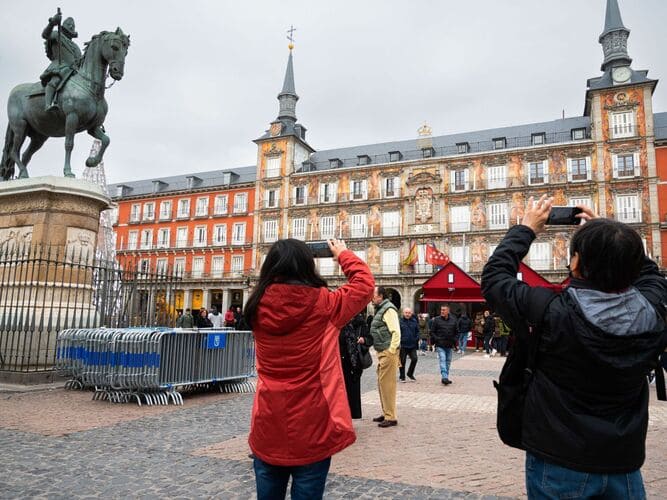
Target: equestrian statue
x: 68, y: 99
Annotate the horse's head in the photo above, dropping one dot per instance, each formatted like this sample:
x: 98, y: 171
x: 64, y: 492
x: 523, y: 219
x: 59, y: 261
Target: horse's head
x: 113, y: 50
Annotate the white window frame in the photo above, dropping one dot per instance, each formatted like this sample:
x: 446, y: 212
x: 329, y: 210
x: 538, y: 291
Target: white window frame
x: 497, y: 216
x: 303, y: 199
x: 199, y: 238
x: 268, y: 202
x: 299, y: 228
x: 391, y: 182
x: 390, y: 261
x: 359, y: 226
x: 636, y: 171
x: 144, y: 266
x: 198, y: 265
x: 328, y: 192
x: 326, y: 266
x: 363, y: 190
x: 240, y: 203
x: 201, y: 208
x: 361, y: 254
x: 161, y: 266
x: 570, y: 174
x: 628, y: 208
x: 163, y: 237
x: 149, y: 211
x: 622, y: 124
x: 460, y: 256
x: 540, y: 256
x: 146, y: 239
x: 391, y: 223
x: 545, y: 172
x: 459, y: 218
x: 328, y: 227
x: 220, y: 205
x: 273, y: 166
x: 217, y: 266
x: 165, y: 210
x: 453, y: 186
x: 238, y: 233
x: 580, y: 200
x: 220, y: 234
x: 496, y: 177
x: 132, y: 240
x: 181, y: 242
x: 135, y: 212
x: 270, y: 230
x: 238, y: 262
x: 179, y: 266
x: 183, y: 211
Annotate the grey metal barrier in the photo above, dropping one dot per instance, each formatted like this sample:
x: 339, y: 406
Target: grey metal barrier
x: 155, y: 365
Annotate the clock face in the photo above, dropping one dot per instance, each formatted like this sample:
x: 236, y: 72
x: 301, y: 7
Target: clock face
x: 621, y: 75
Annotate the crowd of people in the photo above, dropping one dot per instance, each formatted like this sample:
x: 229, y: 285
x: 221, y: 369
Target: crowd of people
x: 232, y: 318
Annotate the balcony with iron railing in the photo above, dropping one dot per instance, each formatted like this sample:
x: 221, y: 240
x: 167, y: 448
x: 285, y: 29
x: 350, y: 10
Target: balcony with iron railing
x: 181, y: 244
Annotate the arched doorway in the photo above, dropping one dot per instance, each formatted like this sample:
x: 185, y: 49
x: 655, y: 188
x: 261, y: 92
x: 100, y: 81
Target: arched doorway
x: 394, y: 296
x: 416, y: 301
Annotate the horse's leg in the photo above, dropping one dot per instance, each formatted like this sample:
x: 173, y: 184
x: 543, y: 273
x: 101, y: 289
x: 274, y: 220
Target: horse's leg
x: 71, y: 124
x: 98, y: 133
x: 36, y: 142
x: 19, y: 129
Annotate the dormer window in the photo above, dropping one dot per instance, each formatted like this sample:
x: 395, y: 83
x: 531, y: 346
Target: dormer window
x: 120, y: 190
x: 578, y: 134
x: 499, y: 143
x: 335, y: 163
x: 538, y: 139
x: 363, y: 160
x: 226, y: 178
x: 193, y: 181
x: 395, y: 156
x: 428, y: 152
x: 463, y: 147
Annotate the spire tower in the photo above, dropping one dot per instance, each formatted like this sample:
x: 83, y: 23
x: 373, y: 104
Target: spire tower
x: 614, y: 38
x: 288, y: 97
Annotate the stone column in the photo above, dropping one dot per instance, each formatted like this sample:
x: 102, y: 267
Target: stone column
x: 187, y: 299
x: 206, y: 298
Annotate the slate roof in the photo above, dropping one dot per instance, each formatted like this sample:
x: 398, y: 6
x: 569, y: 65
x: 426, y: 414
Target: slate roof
x: 605, y: 81
x: 207, y: 180
x: 556, y: 131
x: 612, y: 18
x: 660, y: 126
x: 288, y: 84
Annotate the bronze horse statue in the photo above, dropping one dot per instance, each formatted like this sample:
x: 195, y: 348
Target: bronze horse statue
x: 81, y: 106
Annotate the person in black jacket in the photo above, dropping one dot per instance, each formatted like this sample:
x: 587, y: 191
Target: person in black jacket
x: 586, y: 411
x: 409, y: 341
x: 348, y: 342
x: 463, y: 326
x: 444, y: 335
x: 489, y: 327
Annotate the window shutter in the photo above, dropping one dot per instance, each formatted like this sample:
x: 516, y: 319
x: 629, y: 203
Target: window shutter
x: 614, y: 166
x: 334, y: 192
x: 397, y: 186
x: 569, y: 170
x: 452, y: 180
x: 322, y: 192
x: 635, y: 162
x: 588, y: 168
x: 364, y: 190
x: 545, y: 166
x: 466, y: 178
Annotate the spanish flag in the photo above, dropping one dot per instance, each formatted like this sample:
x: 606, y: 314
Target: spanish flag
x: 411, y: 259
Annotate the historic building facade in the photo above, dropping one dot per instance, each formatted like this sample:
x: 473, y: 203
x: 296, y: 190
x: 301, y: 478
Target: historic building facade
x: 460, y: 193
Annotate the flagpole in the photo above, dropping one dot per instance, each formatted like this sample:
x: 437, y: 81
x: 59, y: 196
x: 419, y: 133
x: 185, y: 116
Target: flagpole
x: 464, y: 252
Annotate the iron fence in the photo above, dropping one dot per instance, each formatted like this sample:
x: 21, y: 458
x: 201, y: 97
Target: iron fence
x: 46, y: 289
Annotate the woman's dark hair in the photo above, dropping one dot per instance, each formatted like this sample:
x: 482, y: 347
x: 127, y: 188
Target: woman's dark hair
x: 290, y: 261
x: 610, y: 254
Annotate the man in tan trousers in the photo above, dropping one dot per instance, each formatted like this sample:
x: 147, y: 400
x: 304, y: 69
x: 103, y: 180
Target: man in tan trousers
x: 386, y: 334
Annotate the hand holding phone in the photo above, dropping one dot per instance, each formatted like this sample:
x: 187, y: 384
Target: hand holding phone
x: 564, y: 216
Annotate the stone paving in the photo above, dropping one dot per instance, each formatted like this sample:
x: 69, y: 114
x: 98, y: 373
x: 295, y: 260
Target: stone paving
x: 61, y: 444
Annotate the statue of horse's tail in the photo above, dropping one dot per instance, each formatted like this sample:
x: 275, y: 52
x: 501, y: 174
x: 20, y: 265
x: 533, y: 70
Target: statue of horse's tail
x: 7, y: 165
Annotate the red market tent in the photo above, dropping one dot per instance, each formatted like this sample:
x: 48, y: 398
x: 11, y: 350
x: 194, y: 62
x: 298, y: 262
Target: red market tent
x: 531, y: 277
x: 452, y: 284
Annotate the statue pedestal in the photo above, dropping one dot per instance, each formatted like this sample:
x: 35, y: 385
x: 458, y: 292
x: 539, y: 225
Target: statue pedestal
x: 48, y: 234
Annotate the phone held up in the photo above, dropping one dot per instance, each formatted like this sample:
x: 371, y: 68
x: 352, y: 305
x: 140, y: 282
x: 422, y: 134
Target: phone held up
x: 320, y: 249
x: 564, y: 216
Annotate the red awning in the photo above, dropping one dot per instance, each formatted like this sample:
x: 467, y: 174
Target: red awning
x: 531, y: 277
x: 452, y: 284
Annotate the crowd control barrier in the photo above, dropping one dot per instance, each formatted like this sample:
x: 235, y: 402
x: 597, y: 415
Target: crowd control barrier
x: 155, y: 365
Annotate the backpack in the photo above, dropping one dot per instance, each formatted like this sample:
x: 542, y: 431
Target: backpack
x: 517, y: 373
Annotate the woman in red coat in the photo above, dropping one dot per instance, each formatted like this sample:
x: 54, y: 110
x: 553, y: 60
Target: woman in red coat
x: 300, y: 416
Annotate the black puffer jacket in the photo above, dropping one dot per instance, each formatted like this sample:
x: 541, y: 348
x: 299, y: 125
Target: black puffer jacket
x: 444, y: 332
x: 587, y: 406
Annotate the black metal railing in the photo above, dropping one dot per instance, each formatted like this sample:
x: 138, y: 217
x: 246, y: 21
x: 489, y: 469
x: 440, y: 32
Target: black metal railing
x: 46, y: 289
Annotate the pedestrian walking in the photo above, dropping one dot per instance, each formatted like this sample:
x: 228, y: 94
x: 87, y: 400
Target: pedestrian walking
x: 423, y: 334
x: 463, y: 326
x: 489, y: 328
x: 444, y: 335
x: 300, y: 415
x: 354, y: 339
x: 386, y: 334
x: 409, y: 341
x: 503, y: 336
x: 479, y: 331
x: 585, y: 417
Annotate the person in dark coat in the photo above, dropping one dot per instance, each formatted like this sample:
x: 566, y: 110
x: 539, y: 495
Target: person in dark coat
x: 348, y: 342
x: 409, y: 343
x: 202, y: 320
x: 463, y: 325
x: 585, y: 417
x: 444, y: 335
x: 489, y: 326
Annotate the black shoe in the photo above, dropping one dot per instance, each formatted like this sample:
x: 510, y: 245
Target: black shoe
x: 402, y: 379
x: 446, y: 381
x: 388, y: 423
x: 379, y: 419
x: 412, y: 377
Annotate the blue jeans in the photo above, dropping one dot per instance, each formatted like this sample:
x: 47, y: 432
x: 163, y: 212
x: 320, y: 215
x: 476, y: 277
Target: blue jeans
x: 308, y: 481
x: 463, y: 341
x: 445, y: 358
x: 487, y: 344
x: 548, y: 481
x: 423, y: 345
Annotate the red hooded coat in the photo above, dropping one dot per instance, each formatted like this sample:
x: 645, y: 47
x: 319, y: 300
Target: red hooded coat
x: 300, y: 414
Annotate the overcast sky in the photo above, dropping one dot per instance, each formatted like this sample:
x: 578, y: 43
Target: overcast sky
x: 201, y: 78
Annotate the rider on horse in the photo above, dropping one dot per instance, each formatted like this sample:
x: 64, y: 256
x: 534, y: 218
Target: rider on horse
x: 64, y: 55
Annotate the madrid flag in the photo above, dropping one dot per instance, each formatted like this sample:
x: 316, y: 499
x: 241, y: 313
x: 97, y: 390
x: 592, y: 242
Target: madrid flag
x: 435, y: 256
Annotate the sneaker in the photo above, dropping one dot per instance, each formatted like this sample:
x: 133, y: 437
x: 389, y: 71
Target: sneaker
x: 493, y: 352
x: 412, y: 377
x: 487, y: 355
x: 402, y: 380
x: 463, y: 353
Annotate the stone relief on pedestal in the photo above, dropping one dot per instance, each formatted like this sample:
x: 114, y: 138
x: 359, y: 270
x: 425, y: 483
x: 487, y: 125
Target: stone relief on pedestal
x: 12, y: 238
x: 80, y: 244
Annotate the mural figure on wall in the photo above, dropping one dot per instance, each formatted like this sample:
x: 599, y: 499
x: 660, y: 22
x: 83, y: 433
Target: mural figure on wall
x: 343, y: 224
x: 478, y: 254
x: 374, y: 185
x: 373, y: 257
x: 313, y: 189
x: 375, y: 221
x: 558, y: 167
x: 478, y: 175
x: 560, y: 250
x: 517, y: 210
x: 424, y: 205
x: 478, y: 214
x: 313, y: 225
x: 559, y: 198
x: 344, y: 188
x: 515, y: 172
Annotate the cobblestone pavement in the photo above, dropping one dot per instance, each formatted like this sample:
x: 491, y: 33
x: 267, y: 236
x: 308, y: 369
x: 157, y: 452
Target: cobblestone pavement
x: 60, y: 444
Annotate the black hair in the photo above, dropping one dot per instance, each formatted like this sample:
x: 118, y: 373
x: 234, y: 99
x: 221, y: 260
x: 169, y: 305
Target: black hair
x: 382, y: 291
x: 288, y: 260
x: 611, y: 254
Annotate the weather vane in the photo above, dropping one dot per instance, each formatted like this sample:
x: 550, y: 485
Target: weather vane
x: 290, y: 36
